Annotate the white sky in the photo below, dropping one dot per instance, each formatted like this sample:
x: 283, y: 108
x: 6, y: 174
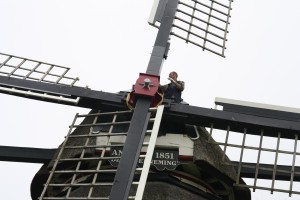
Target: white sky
x: 108, y: 43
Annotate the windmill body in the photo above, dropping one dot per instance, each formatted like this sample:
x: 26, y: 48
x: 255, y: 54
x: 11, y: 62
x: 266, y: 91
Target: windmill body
x: 197, y: 169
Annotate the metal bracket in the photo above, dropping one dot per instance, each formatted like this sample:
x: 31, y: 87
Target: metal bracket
x: 147, y: 85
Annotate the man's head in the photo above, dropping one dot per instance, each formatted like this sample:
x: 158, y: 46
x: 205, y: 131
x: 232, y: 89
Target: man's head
x: 173, y: 75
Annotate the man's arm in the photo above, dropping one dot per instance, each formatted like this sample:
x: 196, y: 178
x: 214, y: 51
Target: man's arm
x: 179, y: 84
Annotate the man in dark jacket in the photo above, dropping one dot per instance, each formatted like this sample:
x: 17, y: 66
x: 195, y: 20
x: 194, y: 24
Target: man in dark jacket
x: 174, y: 89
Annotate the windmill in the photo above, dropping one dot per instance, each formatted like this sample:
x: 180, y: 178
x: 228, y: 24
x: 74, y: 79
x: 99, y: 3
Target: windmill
x: 75, y: 99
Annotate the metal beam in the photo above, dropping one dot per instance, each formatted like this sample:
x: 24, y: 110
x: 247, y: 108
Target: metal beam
x: 176, y: 112
x: 204, y: 117
x: 138, y: 125
x: 161, y: 44
x: 87, y: 98
x: 266, y: 171
x: 131, y: 150
x: 26, y: 154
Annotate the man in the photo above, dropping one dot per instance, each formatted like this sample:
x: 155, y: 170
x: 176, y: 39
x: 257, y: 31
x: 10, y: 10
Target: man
x: 174, y: 89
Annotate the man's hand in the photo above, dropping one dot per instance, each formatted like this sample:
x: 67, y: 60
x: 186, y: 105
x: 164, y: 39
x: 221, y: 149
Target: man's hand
x: 172, y: 80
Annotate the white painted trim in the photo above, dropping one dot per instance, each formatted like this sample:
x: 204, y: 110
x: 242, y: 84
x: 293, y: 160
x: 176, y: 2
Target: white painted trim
x: 149, y: 154
x: 43, y: 96
x: 256, y: 105
x: 153, y: 12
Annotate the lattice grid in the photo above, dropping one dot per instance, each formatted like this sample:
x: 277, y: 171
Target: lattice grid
x: 265, y: 163
x: 203, y: 23
x: 83, y: 169
x: 24, y: 68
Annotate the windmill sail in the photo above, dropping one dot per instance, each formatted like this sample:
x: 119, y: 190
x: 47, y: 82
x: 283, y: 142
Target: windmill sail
x: 269, y: 159
x: 43, y: 81
x: 203, y: 23
x: 83, y: 165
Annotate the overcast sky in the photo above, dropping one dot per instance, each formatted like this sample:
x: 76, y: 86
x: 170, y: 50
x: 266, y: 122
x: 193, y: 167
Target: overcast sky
x: 108, y: 43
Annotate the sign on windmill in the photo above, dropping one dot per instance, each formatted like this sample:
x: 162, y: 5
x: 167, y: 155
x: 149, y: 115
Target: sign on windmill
x: 162, y: 158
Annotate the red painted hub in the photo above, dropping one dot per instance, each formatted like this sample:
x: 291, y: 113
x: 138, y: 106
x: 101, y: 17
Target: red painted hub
x: 146, y: 85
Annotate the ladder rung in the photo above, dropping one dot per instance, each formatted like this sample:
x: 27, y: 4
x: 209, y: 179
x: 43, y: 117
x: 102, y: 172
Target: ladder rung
x: 79, y: 184
x: 153, y: 109
x: 106, y: 113
x: 99, y: 146
x: 93, y: 146
x: 101, y: 124
x: 95, y: 158
x: 92, y: 158
x: 84, y: 171
x: 74, y: 198
x: 148, y: 132
x: 97, y: 135
x: 151, y: 119
x: 89, y: 171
